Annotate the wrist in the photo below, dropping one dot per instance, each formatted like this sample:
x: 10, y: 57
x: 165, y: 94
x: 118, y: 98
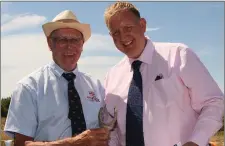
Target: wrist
x: 77, y: 141
x: 63, y: 142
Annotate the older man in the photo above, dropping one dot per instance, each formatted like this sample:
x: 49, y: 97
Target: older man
x: 58, y: 101
x: 163, y: 93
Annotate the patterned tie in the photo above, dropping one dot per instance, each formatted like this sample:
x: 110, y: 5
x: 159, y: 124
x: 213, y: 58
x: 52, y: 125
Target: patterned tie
x: 75, y: 108
x: 134, y: 117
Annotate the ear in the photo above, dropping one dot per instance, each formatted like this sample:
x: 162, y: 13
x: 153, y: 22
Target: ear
x: 143, y: 24
x: 110, y: 34
x: 50, y: 43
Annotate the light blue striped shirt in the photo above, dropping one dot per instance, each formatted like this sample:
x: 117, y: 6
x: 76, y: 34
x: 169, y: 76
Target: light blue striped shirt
x: 39, y: 104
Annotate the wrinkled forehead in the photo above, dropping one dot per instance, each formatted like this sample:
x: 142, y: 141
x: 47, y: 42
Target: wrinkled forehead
x: 66, y: 32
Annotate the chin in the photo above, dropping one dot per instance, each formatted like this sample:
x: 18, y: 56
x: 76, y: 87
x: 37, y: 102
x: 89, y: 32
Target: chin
x: 69, y: 67
x: 129, y: 52
x: 133, y: 55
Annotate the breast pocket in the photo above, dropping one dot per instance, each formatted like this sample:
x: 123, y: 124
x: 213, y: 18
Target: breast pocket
x: 166, y: 92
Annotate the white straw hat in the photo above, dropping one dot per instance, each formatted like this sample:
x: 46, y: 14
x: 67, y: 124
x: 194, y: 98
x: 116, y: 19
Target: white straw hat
x: 67, y: 19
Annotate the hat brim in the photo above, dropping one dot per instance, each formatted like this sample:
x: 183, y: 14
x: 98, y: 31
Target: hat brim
x: 85, y: 29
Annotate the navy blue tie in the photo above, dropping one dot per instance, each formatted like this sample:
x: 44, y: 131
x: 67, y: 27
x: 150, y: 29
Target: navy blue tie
x: 75, y: 107
x: 134, y: 116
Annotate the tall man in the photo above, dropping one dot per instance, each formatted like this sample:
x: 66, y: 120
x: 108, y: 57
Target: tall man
x: 163, y: 93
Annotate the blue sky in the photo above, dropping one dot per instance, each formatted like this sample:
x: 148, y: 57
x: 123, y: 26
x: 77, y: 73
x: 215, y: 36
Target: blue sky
x: 200, y: 25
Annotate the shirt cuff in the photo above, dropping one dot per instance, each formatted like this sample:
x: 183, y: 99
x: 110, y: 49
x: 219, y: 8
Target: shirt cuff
x: 203, y: 131
x: 11, y: 132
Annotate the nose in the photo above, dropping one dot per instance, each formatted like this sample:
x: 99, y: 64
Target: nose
x: 69, y: 46
x: 123, y: 36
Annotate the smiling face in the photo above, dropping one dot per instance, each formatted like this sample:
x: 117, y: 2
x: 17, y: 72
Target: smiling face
x: 127, y: 31
x: 66, y: 45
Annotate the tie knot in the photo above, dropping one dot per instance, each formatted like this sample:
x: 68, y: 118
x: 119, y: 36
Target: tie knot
x: 136, y: 65
x: 69, y: 76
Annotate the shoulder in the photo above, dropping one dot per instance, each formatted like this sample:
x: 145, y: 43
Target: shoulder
x: 171, y: 51
x: 32, y: 80
x: 168, y: 48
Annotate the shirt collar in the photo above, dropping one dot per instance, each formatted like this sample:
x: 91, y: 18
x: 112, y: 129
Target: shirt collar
x: 58, y: 71
x: 146, y: 55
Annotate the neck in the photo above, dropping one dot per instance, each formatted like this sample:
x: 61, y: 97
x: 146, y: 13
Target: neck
x: 67, y: 69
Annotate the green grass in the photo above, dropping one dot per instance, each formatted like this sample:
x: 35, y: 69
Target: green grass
x: 218, y: 138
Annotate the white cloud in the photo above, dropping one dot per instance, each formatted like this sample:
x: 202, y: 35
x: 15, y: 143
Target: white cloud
x: 18, y: 49
x: 98, y: 66
x: 152, y: 29
x: 5, y: 18
x: 24, y: 53
x: 21, y: 21
x: 101, y: 43
x: 99, y: 60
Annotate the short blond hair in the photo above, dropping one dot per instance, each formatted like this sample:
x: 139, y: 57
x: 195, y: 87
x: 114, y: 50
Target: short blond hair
x: 119, y: 6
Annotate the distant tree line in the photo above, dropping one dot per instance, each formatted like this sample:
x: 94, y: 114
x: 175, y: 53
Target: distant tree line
x: 5, y: 106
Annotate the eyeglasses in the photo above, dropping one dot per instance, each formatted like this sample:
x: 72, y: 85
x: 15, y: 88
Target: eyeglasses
x: 63, y: 41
